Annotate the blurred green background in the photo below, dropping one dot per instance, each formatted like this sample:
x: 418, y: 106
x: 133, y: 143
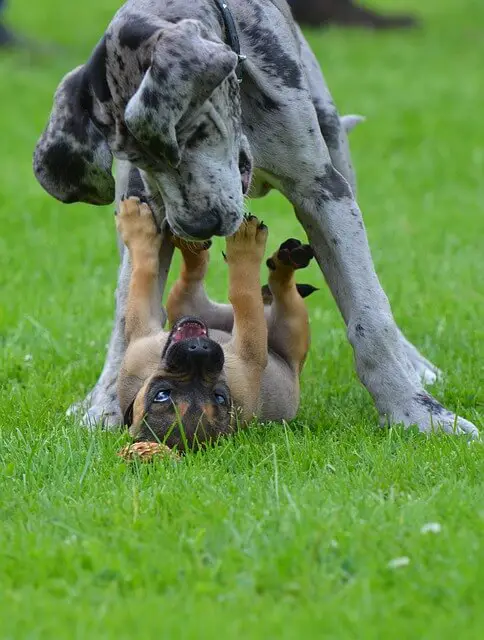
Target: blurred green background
x: 280, y: 532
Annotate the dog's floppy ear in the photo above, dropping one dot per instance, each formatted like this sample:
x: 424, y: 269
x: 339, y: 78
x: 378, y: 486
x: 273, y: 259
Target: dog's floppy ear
x: 72, y: 160
x: 185, y: 70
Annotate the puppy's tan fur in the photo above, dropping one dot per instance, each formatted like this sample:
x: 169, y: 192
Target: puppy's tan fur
x: 264, y: 356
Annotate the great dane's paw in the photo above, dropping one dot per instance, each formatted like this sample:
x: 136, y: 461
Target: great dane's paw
x: 137, y: 226
x: 97, y: 410
x: 102, y: 417
x: 430, y: 416
x: 248, y: 243
x: 426, y: 372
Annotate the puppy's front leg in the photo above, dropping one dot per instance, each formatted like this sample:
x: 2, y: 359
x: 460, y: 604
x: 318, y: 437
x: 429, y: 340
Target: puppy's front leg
x: 137, y: 228
x: 246, y: 354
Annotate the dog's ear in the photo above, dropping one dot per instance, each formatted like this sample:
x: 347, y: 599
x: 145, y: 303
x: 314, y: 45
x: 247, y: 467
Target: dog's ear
x: 72, y: 160
x: 185, y: 70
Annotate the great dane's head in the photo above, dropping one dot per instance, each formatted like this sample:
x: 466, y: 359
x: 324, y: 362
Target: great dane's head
x: 164, y: 96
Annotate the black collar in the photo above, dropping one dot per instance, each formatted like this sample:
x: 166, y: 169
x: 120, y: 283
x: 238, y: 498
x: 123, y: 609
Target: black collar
x: 231, y: 34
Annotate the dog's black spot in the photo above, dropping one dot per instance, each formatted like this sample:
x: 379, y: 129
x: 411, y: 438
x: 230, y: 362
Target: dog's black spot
x: 150, y: 99
x: 174, y: 53
x: 68, y: 168
x: 200, y: 135
x: 360, y: 330
x: 429, y: 403
x: 265, y: 103
x: 136, y: 185
x: 96, y: 72
x: 120, y: 62
x: 135, y: 31
x: 160, y: 73
x: 269, y: 50
x: 335, y: 241
x: 331, y: 187
x: 330, y: 126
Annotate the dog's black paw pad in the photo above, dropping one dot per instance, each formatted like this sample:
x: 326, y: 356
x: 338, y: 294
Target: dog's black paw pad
x: 299, y: 257
x: 290, y: 244
x: 271, y: 264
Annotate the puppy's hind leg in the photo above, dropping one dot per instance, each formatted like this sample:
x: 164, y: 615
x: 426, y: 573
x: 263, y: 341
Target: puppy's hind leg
x: 289, y: 324
x: 188, y: 296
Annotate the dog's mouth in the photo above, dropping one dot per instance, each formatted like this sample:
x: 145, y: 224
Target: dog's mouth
x: 185, y: 329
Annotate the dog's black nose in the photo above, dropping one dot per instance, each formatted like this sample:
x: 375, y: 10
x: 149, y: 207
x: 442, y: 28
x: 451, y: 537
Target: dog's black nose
x: 199, y: 347
x: 196, y: 356
x: 203, y: 231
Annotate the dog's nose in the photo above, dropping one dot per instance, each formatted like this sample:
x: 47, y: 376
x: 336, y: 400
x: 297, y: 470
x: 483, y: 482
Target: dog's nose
x: 196, y: 356
x: 200, y: 347
x: 203, y: 231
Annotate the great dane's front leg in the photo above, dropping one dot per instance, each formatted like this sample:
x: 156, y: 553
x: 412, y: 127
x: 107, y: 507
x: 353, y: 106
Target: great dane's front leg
x: 334, y: 224
x: 101, y: 406
x: 336, y: 141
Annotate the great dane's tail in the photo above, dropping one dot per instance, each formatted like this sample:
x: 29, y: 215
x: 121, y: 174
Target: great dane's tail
x: 350, y: 121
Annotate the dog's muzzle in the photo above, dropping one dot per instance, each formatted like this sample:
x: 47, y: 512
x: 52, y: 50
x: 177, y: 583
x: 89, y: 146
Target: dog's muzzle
x: 190, y: 352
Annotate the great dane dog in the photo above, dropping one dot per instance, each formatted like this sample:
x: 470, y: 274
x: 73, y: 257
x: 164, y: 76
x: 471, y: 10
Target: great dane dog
x: 162, y: 94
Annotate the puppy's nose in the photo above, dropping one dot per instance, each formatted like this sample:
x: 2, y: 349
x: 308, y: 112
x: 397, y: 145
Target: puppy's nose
x: 200, y: 347
x: 200, y: 355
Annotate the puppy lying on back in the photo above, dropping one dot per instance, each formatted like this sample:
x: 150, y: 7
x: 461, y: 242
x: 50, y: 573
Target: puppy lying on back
x: 196, y: 383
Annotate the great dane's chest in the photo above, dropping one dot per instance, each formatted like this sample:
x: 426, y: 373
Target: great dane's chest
x: 261, y: 183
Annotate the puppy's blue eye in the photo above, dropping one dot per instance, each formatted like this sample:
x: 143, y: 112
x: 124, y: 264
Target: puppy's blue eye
x: 220, y: 399
x: 163, y: 396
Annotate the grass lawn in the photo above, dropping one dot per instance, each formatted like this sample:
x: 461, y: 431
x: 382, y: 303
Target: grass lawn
x: 283, y: 531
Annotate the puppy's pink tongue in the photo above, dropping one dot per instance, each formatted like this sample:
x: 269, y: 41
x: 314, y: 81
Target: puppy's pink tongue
x: 189, y: 330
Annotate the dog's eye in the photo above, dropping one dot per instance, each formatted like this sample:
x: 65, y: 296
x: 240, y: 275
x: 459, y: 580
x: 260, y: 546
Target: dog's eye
x: 163, y: 396
x: 220, y: 399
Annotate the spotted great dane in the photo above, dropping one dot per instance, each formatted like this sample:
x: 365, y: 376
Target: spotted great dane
x: 194, y: 127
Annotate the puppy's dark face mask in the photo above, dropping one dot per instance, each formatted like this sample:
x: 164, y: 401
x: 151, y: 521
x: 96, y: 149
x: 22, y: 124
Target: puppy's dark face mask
x: 187, y: 402
x: 165, y: 97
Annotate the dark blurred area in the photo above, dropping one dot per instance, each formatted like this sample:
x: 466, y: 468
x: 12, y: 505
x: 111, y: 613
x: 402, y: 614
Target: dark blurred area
x: 6, y: 36
x: 309, y: 13
x: 347, y: 13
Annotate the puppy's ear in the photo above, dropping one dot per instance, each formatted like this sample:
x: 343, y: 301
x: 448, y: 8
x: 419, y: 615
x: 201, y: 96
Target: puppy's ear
x: 72, y: 160
x: 185, y: 70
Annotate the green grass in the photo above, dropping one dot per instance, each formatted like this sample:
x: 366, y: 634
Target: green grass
x: 283, y: 531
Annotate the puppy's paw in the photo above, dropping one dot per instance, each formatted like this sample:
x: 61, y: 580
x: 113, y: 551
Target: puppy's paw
x: 137, y: 225
x: 293, y: 254
x: 249, y: 241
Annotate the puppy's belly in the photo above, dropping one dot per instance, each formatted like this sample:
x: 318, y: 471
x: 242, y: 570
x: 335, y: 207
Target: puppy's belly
x: 279, y: 394
x: 279, y: 391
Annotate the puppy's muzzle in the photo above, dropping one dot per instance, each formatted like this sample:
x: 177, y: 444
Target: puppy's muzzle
x: 198, y: 357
